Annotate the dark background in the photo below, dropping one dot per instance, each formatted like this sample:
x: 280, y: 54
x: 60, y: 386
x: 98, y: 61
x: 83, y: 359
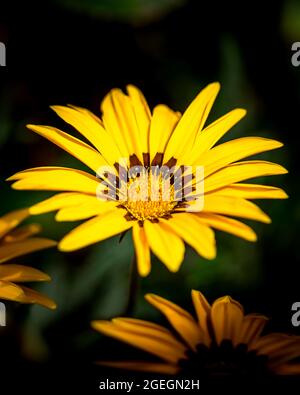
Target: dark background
x: 61, y: 52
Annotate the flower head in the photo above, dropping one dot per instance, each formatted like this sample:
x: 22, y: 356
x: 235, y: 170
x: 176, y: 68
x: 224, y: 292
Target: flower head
x: 158, y: 173
x: 15, y: 243
x: 222, y: 340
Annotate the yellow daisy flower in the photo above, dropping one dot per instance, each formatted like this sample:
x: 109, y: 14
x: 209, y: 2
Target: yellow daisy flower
x: 15, y: 243
x: 147, y: 177
x: 221, y: 341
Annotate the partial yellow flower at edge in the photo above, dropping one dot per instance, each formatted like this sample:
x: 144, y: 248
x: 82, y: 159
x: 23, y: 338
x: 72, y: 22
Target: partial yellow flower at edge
x: 221, y: 341
x: 130, y: 135
x: 16, y: 242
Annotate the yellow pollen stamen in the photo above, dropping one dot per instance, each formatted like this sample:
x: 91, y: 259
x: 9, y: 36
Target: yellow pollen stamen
x: 149, y: 196
x: 149, y: 210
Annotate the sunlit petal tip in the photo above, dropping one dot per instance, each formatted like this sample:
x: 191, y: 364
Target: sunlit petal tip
x: 52, y: 305
x: 132, y: 87
x: 214, y: 85
x: 16, y: 176
x: 282, y: 195
x: 45, y: 302
x: 59, y: 217
x: 16, y: 186
x: 242, y: 111
x: 56, y: 107
x: 256, y: 315
x: 150, y: 297
x: 31, y: 126
x: 45, y: 277
x: 65, y: 246
x: 42, y: 301
x: 279, y: 143
x: 252, y: 237
x: 19, y: 273
x: 267, y: 220
x: 34, y: 297
x: 13, y: 177
x: 282, y: 170
x: 100, y: 325
x: 272, y: 142
x: 227, y: 300
x: 34, y: 210
x: 211, y: 255
x: 196, y: 294
x: 144, y: 273
x: 224, y: 299
x: 175, y: 269
x: 263, y: 217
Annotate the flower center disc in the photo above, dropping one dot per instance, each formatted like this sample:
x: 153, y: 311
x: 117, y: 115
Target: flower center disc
x: 149, y: 196
x: 225, y: 360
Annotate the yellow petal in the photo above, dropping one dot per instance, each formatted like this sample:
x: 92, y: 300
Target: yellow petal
x: 142, y: 250
x: 19, y: 273
x: 227, y: 318
x: 253, y: 325
x: 212, y: 133
x: 241, y: 171
x: 203, y: 309
x: 228, y: 225
x: 142, y: 115
x: 86, y: 210
x: 119, y: 120
x: 191, y: 122
x: 234, y: 150
x: 59, y: 201
x: 92, y: 129
x: 95, y: 230
x: 142, y: 334
x: 22, y: 233
x: 165, y: 244
x: 11, y: 220
x: 287, y: 369
x: 163, y: 123
x: 21, y: 175
x: 142, y: 366
x: 180, y: 319
x: 80, y: 150
x: 280, y: 348
x: 194, y: 232
x: 263, y: 343
x: 13, y: 250
x: 236, y: 207
x: 56, y: 179
x: 10, y: 291
x: 33, y: 297
x: 252, y: 191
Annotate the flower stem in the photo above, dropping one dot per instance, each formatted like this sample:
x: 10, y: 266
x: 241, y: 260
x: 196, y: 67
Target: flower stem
x: 133, y: 287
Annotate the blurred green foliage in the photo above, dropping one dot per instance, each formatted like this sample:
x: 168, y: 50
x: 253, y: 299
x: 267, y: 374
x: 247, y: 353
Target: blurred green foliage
x: 290, y: 22
x: 136, y: 11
